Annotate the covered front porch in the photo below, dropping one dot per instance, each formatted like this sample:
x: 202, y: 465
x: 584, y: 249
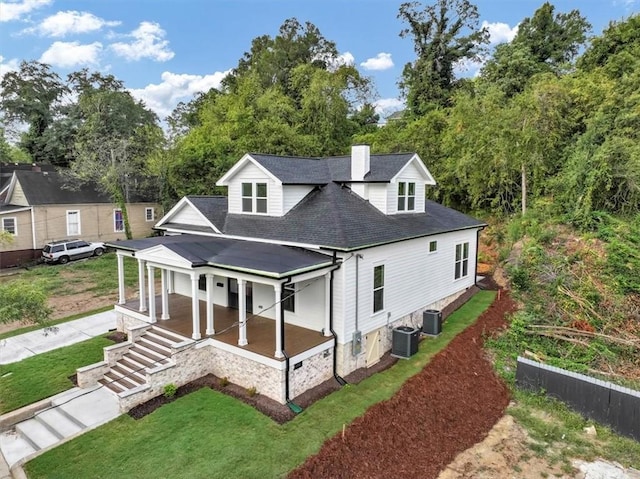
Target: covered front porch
x: 260, y: 330
x: 272, y: 300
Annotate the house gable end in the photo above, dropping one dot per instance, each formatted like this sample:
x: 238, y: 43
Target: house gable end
x: 239, y: 166
x: 420, y: 166
x: 162, y: 255
x: 185, y: 212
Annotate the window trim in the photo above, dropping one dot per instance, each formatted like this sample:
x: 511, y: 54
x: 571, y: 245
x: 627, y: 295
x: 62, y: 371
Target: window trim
x: 289, y: 297
x: 15, y: 225
x: 461, y: 266
x: 435, y: 249
x: 254, y: 198
x: 146, y: 214
x: 407, y: 197
x: 116, y: 230
x: 79, y: 232
x: 375, y: 289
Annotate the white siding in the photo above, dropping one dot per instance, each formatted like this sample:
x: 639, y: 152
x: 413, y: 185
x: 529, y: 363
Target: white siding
x: 413, y: 279
x: 409, y: 174
x: 263, y: 298
x: 378, y: 196
x: 187, y: 215
x: 309, y: 305
x: 292, y: 195
x: 251, y: 173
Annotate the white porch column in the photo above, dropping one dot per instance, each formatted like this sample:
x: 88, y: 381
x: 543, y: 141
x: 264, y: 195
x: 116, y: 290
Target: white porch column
x: 195, y: 306
x: 121, y: 291
x: 210, y: 328
x: 152, y: 292
x: 141, y: 287
x: 278, y: 292
x: 170, y: 286
x: 165, y: 294
x: 327, y: 304
x: 242, y: 312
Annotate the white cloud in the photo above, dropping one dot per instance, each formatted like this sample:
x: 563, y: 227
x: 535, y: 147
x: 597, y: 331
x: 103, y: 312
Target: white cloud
x: 69, y: 22
x: 382, y: 61
x: 148, y: 43
x: 386, y: 106
x: 333, y: 63
x: 500, y: 32
x: 8, y: 66
x: 163, y: 97
x: 10, y: 11
x: 71, y: 54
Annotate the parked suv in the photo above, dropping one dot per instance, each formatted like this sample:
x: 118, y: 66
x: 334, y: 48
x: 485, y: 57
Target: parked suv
x: 64, y: 251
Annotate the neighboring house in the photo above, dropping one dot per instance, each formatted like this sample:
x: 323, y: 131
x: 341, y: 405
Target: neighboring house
x: 299, y: 275
x: 37, y: 206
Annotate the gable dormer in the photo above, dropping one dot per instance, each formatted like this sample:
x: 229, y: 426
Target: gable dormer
x: 406, y: 191
x: 394, y: 183
x: 252, y: 189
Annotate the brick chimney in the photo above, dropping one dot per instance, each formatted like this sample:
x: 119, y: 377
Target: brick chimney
x: 359, y: 162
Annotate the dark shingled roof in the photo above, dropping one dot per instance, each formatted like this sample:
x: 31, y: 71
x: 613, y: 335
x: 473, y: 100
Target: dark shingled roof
x: 265, y: 258
x: 214, y: 208
x: 320, y: 171
x: 334, y: 217
x: 54, y: 188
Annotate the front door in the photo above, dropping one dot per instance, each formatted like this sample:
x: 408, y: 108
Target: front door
x: 233, y: 294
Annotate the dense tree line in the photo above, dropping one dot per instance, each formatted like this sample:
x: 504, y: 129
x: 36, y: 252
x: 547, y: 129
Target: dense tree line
x: 551, y: 121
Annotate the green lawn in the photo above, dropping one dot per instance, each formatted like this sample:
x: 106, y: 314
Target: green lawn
x: 97, y: 275
x: 207, y: 434
x: 46, y: 374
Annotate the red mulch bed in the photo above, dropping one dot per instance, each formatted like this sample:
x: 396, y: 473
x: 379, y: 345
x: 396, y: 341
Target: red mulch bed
x: 446, y: 408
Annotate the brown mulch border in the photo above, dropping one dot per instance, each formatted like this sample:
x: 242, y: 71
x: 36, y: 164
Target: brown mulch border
x: 446, y: 408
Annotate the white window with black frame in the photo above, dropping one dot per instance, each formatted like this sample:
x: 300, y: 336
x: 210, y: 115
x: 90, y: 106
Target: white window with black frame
x: 406, y: 196
x: 289, y: 298
x: 254, y: 197
x: 378, y: 288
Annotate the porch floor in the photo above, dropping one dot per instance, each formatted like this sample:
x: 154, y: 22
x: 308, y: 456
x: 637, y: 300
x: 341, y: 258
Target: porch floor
x: 261, y: 331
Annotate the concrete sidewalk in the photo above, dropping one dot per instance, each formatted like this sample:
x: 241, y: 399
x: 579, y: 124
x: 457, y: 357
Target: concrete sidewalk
x: 22, y: 346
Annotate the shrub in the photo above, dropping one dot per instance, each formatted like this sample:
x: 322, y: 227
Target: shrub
x: 224, y: 381
x: 170, y: 390
x: 252, y: 391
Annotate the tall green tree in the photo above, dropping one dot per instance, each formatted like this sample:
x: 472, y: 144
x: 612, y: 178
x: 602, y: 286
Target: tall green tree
x: 444, y: 33
x: 289, y: 95
x: 546, y: 42
x: 116, y: 136
x: 33, y: 95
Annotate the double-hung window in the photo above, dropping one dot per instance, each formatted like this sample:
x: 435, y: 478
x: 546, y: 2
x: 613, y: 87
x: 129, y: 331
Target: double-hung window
x: 73, y: 223
x: 462, y: 260
x: 289, y: 297
x: 378, y: 288
x: 149, y: 214
x: 9, y: 225
x: 406, y: 196
x: 254, y: 197
x: 118, y: 221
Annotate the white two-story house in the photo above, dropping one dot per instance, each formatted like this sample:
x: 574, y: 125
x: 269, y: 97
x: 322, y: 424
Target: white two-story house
x: 298, y: 275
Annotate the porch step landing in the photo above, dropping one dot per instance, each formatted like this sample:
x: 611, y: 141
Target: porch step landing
x: 150, y: 350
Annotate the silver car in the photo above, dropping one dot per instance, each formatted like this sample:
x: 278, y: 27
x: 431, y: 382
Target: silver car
x: 66, y: 250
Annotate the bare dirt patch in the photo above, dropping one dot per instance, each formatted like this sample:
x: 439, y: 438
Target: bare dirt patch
x: 449, y: 406
x: 505, y: 452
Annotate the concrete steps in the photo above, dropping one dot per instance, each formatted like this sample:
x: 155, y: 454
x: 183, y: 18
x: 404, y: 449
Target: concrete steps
x: 150, y: 350
x: 70, y: 414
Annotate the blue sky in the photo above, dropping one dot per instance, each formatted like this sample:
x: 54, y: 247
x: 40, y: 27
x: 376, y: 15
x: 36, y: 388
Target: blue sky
x: 167, y: 50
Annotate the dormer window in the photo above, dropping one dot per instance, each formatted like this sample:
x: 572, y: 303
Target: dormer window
x: 254, y: 197
x: 406, y: 196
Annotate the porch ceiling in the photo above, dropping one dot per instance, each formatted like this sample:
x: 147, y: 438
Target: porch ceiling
x: 260, y: 330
